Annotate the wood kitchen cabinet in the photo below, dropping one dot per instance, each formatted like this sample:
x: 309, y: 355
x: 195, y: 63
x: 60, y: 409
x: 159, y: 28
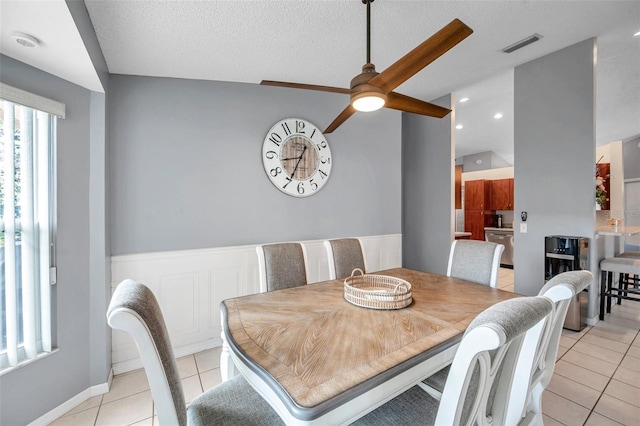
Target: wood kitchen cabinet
x: 474, y: 222
x: 458, y: 187
x: 477, y: 194
x: 501, y: 194
x: 477, y: 198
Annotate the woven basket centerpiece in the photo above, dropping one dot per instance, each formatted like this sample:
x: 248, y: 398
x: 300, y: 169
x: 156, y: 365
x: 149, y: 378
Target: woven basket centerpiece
x: 377, y: 291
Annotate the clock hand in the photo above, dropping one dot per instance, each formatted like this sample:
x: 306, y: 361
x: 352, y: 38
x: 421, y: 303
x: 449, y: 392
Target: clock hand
x: 298, y: 163
x: 295, y: 158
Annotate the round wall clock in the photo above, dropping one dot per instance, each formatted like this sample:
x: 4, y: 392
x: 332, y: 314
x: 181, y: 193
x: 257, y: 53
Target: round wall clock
x: 296, y: 157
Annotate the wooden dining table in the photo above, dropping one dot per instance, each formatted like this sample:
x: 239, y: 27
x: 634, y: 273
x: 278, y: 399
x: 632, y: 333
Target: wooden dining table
x: 318, y: 359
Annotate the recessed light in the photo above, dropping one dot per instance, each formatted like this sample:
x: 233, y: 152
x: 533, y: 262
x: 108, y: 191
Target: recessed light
x: 25, y: 40
x: 464, y: 99
x: 498, y: 115
x: 459, y: 126
x: 637, y: 34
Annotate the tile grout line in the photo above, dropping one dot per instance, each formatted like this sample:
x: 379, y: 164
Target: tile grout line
x: 562, y: 356
x: 95, y: 421
x: 591, y: 410
x: 610, y: 379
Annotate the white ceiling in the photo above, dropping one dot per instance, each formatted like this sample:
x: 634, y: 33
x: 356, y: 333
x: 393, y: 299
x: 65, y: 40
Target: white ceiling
x: 323, y: 42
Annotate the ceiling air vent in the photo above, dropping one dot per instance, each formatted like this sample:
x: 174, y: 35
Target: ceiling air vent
x: 522, y: 43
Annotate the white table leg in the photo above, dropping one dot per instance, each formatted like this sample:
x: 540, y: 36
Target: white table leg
x: 227, y: 369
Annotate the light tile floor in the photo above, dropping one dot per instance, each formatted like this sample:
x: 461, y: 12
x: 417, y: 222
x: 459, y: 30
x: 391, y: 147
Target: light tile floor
x: 596, y: 380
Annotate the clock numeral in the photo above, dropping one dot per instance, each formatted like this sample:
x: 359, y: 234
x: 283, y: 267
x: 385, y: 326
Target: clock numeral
x: 301, y: 188
x: 276, y: 171
x: 275, y: 138
x: 288, y: 182
x: 286, y: 129
x: 321, y: 145
x: 300, y: 126
x: 271, y: 155
x: 325, y: 160
x: 313, y: 133
x: 314, y: 185
x: 322, y: 174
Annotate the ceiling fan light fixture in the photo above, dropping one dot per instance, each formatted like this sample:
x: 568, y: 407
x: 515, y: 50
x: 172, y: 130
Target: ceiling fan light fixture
x: 368, y: 101
x: 366, y: 97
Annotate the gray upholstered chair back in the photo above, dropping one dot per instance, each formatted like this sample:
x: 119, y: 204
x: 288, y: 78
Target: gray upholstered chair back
x: 135, y: 310
x: 281, y: 266
x: 345, y: 255
x: 481, y: 374
x: 477, y: 261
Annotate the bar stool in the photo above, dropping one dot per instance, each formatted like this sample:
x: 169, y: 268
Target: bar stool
x: 627, y: 279
x: 624, y: 266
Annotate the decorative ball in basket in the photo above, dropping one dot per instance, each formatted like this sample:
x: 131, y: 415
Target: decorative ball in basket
x: 377, y: 291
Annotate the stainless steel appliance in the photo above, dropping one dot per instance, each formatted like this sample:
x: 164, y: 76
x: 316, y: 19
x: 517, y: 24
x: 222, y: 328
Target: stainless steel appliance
x: 562, y: 254
x: 502, y: 236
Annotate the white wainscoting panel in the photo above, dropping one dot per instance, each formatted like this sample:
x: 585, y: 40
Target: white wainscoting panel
x: 191, y: 284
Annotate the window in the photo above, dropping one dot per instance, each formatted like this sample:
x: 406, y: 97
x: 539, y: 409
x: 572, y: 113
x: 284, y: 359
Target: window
x: 27, y: 177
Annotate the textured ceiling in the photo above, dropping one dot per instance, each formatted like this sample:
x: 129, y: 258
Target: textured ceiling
x: 323, y: 42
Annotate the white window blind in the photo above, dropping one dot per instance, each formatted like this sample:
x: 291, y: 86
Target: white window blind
x: 27, y: 141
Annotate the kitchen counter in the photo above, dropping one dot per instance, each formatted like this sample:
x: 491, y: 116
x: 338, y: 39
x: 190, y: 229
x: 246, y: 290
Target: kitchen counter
x: 617, y: 231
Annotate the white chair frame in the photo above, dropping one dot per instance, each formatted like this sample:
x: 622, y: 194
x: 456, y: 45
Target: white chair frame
x: 129, y: 321
x: 525, y: 404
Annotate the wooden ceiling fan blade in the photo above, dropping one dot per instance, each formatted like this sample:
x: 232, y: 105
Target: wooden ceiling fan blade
x: 416, y: 106
x: 305, y: 86
x: 427, y: 52
x: 344, y: 115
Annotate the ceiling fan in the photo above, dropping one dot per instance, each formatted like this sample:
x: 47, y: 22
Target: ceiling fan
x: 371, y: 90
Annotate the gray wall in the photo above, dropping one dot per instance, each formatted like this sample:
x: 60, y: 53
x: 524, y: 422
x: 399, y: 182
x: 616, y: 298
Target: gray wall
x: 554, y: 155
x: 631, y: 158
x: 427, y: 190
x: 83, y: 291
x: 34, y: 389
x: 99, y: 250
x: 186, y: 168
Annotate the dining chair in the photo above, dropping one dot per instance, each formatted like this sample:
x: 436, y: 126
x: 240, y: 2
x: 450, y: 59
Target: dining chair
x: 535, y: 370
x: 343, y: 256
x: 477, y: 261
x: 282, y: 265
x: 478, y: 387
x: 135, y: 310
x: 471, y: 260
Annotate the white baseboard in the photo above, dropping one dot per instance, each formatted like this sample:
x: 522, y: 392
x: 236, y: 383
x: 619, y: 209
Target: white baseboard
x: 103, y: 388
x: 73, y: 402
